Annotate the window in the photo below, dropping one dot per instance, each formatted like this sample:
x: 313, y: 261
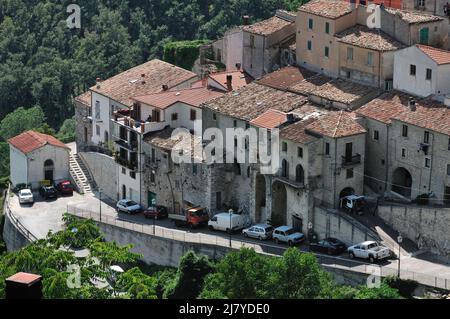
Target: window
x: 370, y: 58
x: 421, y: 3
x: 284, y: 147
x: 97, y: 130
x: 193, y: 115
x: 426, y: 137
x: 376, y: 135
x: 252, y: 41
x: 234, y: 123
x: 349, y: 173
x: 214, y: 116
x: 349, y: 54
x: 310, y: 24
x: 153, y: 158
x: 448, y: 144
x: 152, y: 177
x: 412, y: 70
x: 405, y: 130
x: 448, y: 169
x: 327, y: 27
x: 124, y: 171
x: 327, y: 52
x: 427, y: 162
x: 133, y: 174
x: 388, y: 85
x: 429, y: 74
x: 300, y: 152
x: 327, y: 148
x: 284, y: 168
x: 404, y: 152
x: 299, y: 174
x: 309, y: 45
x: 97, y: 110
x: 174, y: 116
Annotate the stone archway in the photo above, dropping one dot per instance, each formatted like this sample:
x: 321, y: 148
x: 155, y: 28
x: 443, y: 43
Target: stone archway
x: 49, y: 170
x: 279, y: 204
x: 260, y: 197
x: 402, y: 182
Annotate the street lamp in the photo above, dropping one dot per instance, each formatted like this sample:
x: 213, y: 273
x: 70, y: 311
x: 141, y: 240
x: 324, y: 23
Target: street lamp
x: 230, y: 212
x: 399, y: 240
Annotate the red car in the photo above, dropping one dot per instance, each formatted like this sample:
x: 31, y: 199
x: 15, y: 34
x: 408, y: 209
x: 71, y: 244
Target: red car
x: 65, y: 188
x: 157, y: 212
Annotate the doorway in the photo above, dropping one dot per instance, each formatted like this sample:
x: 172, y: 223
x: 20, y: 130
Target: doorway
x: 447, y: 195
x: 402, y: 182
x: 49, y: 169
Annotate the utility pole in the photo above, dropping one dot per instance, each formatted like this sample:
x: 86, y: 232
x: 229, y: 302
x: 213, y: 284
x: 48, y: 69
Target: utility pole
x: 399, y: 240
x: 230, y: 212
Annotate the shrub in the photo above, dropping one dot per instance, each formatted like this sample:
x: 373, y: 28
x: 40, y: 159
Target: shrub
x: 405, y: 287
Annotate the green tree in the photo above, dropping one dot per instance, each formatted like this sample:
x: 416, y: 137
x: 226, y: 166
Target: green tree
x: 382, y: 292
x: 66, y: 133
x: 21, y: 120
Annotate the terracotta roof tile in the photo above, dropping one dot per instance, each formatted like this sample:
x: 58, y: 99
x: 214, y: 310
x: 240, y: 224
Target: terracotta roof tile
x: 239, y: 79
x: 85, y: 98
x: 267, y: 27
x: 286, y: 77
x: 296, y: 132
x: 30, y: 141
x: 336, y: 124
x: 131, y: 83
x: 364, y: 37
x: 437, y: 55
x: 270, y: 119
x: 332, y: 9
x: 414, y: 17
x: 194, y: 97
x: 385, y: 107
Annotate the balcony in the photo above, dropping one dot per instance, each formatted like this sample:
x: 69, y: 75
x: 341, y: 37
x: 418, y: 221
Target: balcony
x: 131, y: 146
x: 350, y: 161
x: 132, y: 165
x: 138, y: 126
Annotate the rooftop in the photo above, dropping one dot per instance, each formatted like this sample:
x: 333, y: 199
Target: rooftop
x: 332, y: 9
x: 146, y: 78
x: 364, y: 37
x: 337, y: 90
x: 194, y: 97
x: 84, y: 98
x: 385, y: 107
x: 296, y: 132
x: 239, y: 79
x: 270, y: 119
x: 437, y: 55
x: 24, y: 278
x: 414, y: 17
x: 267, y: 27
x: 285, y: 77
x: 336, y: 124
x: 253, y: 100
x: 30, y: 141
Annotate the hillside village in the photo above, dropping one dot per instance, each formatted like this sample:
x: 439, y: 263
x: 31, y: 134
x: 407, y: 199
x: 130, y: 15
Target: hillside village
x: 360, y: 110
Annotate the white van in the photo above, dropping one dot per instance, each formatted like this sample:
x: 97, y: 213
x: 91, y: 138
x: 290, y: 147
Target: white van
x: 227, y: 221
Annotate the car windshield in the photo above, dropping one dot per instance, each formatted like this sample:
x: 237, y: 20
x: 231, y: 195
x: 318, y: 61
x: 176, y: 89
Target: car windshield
x: 131, y: 203
x: 268, y: 229
x: 26, y: 193
x: 372, y: 245
x: 290, y: 231
x: 199, y: 213
x: 333, y: 240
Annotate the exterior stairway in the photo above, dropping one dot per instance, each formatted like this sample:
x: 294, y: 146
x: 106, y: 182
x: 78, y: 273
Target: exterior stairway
x: 80, y: 175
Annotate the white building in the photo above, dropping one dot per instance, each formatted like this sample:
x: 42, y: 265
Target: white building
x: 422, y: 70
x: 37, y: 157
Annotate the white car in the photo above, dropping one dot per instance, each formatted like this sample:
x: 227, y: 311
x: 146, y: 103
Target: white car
x: 26, y: 196
x: 369, y: 250
x: 128, y: 206
x: 228, y: 222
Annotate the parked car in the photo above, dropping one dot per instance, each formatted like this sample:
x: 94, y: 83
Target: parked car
x: 156, y: 212
x: 26, y: 196
x: 65, y: 187
x: 287, y: 235
x: 369, y: 250
x: 229, y: 222
x: 128, y: 206
x: 330, y: 246
x: 48, y: 192
x: 354, y: 204
x: 260, y: 231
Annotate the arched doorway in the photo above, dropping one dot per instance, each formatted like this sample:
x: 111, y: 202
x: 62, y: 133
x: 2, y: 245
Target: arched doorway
x: 49, y: 169
x: 402, y: 182
x: 260, y: 197
x: 299, y: 174
x: 279, y: 205
x: 346, y: 192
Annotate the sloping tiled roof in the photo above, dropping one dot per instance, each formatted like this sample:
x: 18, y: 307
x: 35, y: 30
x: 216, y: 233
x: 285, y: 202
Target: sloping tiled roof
x: 30, y: 141
x: 24, y: 278
x: 336, y: 124
x: 414, y: 17
x: 270, y: 119
x: 267, y: 27
x: 146, y: 78
x: 337, y: 90
x: 296, y: 132
x: 364, y: 37
x: 84, y: 98
x: 239, y: 79
x: 253, y: 100
x: 437, y: 55
x: 286, y: 77
x: 332, y: 9
x: 385, y: 107
x: 194, y: 97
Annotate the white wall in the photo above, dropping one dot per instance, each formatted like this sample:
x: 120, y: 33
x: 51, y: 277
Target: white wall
x: 18, y: 166
x: 104, y: 121
x: 36, y: 159
x: 233, y: 47
x: 184, y: 115
x: 417, y: 84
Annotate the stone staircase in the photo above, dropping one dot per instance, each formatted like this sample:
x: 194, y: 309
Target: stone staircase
x: 80, y: 175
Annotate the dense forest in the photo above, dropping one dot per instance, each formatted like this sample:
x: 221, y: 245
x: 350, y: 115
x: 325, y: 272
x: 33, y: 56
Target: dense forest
x: 44, y: 64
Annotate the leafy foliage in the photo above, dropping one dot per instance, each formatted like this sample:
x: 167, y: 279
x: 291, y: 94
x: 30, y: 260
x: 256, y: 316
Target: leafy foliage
x: 182, y: 53
x: 66, y: 133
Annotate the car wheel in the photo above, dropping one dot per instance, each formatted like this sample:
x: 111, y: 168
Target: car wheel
x: 290, y: 243
x: 276, y: 241
x: 330, y: 251
x: 260, y: 238
x: 229, y: 231
x: 351, y: 255
x: 211, y: 228
x: 371, y: 259
x: 245, y: 235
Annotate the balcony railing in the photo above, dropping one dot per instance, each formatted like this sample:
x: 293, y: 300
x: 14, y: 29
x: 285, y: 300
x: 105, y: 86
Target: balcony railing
x: 138, y: 126
x: 349, y: 161
x: 131, y: 146
x: 132, y: 165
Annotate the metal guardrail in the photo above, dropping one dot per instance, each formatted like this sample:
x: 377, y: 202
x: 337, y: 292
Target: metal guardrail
x: 14, y: 220
x: 207, y: 239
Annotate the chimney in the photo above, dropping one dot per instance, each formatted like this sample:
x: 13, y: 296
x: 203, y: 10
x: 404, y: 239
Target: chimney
x: 143, y: 75
x: 98, y: 81
x: 229, y: 82
x: 291, y: 118
x: 165, y: 87
x: 245, y: 20
x: 412, y: 104
x: 24, y: 286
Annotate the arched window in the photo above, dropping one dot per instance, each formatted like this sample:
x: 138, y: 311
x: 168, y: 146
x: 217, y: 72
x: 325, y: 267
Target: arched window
x: 49, y: 168
x: 285, y: 168
x: 299, y: 174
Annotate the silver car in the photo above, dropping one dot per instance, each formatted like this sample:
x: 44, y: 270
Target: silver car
x: 26, y: 196
x: 260, y: 231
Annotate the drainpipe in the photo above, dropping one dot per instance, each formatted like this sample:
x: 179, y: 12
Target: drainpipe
x: 380, y: 62
x: 335, y: 172
x: 431, y: 162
